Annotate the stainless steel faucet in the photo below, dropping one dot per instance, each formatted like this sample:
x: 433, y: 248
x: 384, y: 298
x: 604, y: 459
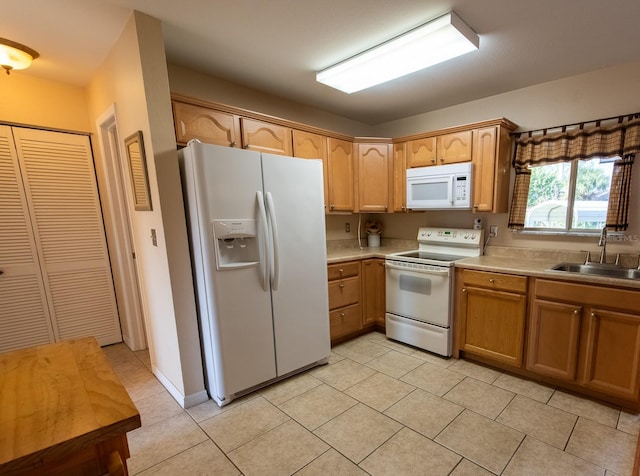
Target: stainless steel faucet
x: 603, y: 243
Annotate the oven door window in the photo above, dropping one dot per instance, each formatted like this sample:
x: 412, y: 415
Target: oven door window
x: 424, y: 296
x: 415, y: 284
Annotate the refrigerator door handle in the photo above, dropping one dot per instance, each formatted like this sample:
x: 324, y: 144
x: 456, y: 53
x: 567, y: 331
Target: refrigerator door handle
x: 274, y: 261
x: 264, y: 240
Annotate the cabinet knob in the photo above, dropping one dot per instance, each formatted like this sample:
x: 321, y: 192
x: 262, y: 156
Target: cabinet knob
x: 341, y: 271
x: 475, y: 207
x: 464, y: 290
x: 341, y: 285
x: 404, y: 208
x: 342, y: 314
x: 491, y: 280
x: 433, y: 161
x: 332, y: 206
x: 232, y: 144
x: 246, y: 146
x: 593, y: 314
x: 442, y: 159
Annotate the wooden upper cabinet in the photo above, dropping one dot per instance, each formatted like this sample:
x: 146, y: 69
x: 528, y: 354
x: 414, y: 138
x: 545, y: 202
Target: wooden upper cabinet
x: 440, y: 150
x: 374, y: 175
x: 341, y: 175
x: 491, y: 169
x: 205, y: 124
x: 266, y: 137
x: 307, y: 145
x: 399, y: 177
x: 421, y: 152
x: 454, y: 147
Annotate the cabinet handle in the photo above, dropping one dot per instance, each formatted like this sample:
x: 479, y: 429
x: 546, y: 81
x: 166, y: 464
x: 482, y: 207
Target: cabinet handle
x: 332, y: 206
x: 246, y: 146
x: 475, y: 206
x: 576, y: 312
x: 464, y: 290
x: 232, y: 144
x: 491, y: 280
x: 433, y: 161
x: 342, y: 314
x: 594, y: 315
x: 403, y: 208
x: 341, y: 285
x: 341, y: 271
x: 442, y: 159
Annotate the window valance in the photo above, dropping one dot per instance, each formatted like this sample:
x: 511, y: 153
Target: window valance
x: 619, y: 137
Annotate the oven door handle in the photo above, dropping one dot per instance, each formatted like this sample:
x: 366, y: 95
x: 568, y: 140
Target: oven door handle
x: 389, y: 265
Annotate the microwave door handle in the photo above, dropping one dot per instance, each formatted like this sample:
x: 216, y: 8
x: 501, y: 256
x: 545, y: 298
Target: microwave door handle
x: 452, y: 192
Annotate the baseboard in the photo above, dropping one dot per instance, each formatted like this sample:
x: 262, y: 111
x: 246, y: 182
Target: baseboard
x: 185, y: 401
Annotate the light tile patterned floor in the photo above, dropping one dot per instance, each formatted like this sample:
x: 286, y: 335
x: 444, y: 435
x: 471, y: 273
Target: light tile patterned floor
x: 379, y: 408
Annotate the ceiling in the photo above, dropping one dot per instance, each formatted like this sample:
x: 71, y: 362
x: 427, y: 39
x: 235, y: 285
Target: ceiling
x: 276, y: 46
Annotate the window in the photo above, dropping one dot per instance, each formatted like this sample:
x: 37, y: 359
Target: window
x: 564, y: 180
x: 569, y: 196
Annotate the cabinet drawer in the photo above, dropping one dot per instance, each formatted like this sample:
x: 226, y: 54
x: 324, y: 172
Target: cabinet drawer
x: 503, y: 282
x: 345, y: 320
x: 344, y: 292
x: 343, y: 270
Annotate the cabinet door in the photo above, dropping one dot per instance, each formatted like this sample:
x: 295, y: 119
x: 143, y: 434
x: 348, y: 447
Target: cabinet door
x: 612, y: 357
x: 207, y: 125
x: 493, y: 324
x: 484, y: 162
x: 373, y: 292
x: 373, y: 178
x: 24, y: 314
x: 341, y: 177
x: 455, y: 147
x: 399, y: 178
x: 421, y: 152
x: 553, y: 339
x: 265, y: 137
x: 308, y: 145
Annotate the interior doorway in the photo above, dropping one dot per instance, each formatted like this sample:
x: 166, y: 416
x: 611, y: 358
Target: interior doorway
x: 119, y: 233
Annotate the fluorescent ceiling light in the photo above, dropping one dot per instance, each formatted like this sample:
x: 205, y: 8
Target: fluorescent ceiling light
x: 431, y: 43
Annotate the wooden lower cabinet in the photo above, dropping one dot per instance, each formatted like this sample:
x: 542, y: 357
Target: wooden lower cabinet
x: 492, y: 316
x: 373, y: 292
x: 345, y: 313
x: 356, y: 298
x: 587, y: 336
x: 554, y: 335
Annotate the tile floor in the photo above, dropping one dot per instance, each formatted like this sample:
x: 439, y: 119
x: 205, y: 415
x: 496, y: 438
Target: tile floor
x: 379, y: 408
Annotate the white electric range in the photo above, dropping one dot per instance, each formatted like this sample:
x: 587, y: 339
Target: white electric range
x: 419, y: 287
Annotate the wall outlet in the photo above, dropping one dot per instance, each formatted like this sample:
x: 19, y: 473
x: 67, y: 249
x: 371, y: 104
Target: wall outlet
x: 493, y: 231
x: 347, y: 227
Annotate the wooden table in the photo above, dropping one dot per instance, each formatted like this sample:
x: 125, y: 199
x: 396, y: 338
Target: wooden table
x: 63, y: 411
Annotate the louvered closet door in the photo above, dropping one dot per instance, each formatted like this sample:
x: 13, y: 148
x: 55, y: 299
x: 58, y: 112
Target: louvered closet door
x: 24, y: 315
x: 62, y: 196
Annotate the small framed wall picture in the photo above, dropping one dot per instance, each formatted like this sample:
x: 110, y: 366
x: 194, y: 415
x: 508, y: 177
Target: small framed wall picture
x: 138, y: 171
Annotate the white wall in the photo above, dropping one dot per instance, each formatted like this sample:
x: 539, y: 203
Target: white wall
x: 599, y: 94
x: 134, y: 78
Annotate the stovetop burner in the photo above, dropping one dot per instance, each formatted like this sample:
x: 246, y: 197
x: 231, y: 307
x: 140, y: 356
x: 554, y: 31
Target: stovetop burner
x: 431, y: 256
x: 442, y: 247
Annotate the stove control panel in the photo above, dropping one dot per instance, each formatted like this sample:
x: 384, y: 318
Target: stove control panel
x: 450, y: 236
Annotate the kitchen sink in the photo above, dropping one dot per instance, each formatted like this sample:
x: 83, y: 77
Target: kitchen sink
x: 607, y: 270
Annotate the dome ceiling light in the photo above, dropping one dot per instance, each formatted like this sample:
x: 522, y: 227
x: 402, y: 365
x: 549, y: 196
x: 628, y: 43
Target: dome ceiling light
x: 15, y: 56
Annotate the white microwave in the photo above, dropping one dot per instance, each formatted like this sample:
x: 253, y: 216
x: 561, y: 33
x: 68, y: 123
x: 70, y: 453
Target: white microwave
x: 439, y: 187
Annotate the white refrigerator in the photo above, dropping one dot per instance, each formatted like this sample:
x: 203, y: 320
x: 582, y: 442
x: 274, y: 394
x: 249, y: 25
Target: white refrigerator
x: 257, y: 236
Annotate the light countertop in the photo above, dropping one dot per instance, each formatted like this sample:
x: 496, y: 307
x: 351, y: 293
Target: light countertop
x: 524, y: 262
